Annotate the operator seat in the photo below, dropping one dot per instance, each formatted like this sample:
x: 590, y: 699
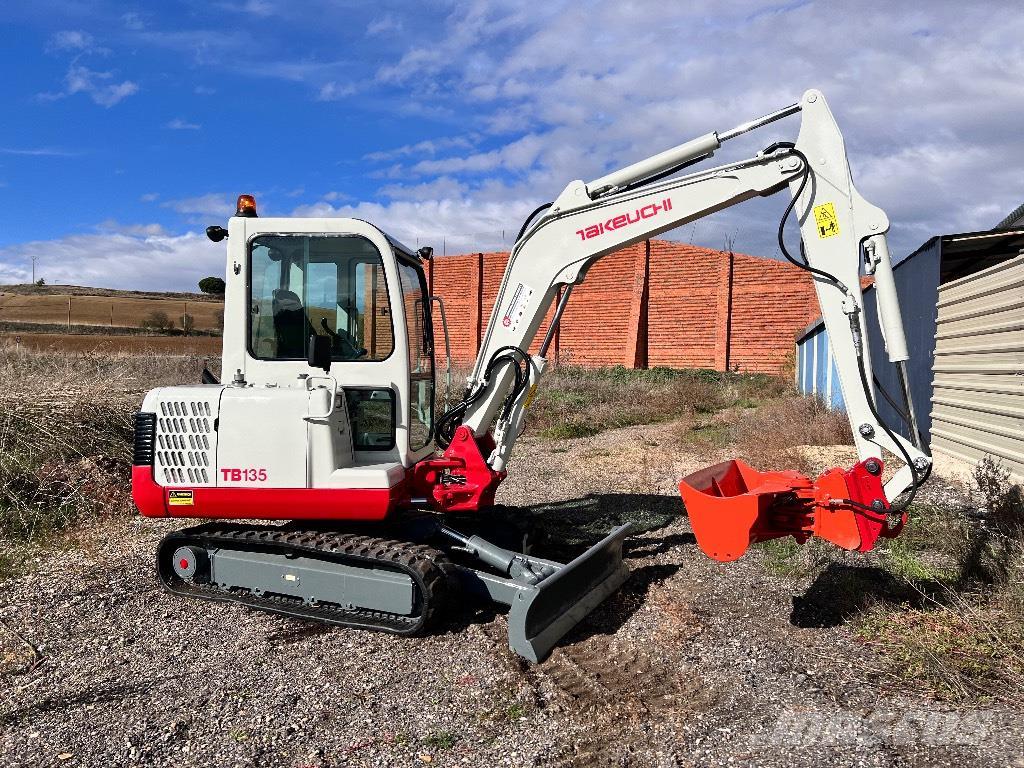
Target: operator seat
x: 290, y: 324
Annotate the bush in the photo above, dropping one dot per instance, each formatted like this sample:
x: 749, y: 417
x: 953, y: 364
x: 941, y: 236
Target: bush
x: 769, y: 437
x: 1002, y: 501
x: 158, y: 320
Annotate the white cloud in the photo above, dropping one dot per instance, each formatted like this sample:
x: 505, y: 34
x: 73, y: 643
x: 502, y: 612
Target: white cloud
x: 384, y: 25
x: 97, y: 85
x: 133, y: 22
x: 144, y: 259
x: 204, y: 90
x: 211, y: 205
x: 70, y: 40
x: 426, y: 147
x: 37, y: 151
x: 111, y: 225
x: 150, y: 197
x: 179, y: 124
x: 334, y: 91
x: 449, y: 224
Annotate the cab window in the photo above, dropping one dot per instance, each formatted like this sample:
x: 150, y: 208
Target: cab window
x: 329, y: 285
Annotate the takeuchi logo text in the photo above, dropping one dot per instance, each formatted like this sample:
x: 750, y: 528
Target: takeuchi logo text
x: 625, y: 219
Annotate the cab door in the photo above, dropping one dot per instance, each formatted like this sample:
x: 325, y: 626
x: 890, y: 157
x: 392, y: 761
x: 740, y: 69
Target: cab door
x: 419, y: 328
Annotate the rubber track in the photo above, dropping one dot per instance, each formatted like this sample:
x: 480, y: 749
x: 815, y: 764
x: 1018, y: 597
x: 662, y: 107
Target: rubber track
x: 424, y: 565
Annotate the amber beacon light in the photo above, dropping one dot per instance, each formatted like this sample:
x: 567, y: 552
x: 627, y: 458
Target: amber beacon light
x: 246, y: 206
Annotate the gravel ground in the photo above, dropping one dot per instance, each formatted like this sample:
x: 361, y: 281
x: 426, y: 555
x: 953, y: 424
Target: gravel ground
x: 693, y: 663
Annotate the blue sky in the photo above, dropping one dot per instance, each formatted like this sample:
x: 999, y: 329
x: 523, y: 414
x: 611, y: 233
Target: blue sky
x: 128, y: 127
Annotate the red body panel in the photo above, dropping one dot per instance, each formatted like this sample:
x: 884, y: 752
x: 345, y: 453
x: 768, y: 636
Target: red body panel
x: 470, y: 484
x: 266, y: 503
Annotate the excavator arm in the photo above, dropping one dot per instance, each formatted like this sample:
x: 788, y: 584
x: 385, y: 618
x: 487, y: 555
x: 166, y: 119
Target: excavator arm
x: 731, y: 502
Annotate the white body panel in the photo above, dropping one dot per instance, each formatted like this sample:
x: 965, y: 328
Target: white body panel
x: 264, y: 436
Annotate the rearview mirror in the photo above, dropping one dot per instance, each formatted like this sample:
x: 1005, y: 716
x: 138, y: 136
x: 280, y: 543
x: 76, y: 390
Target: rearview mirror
x: 318, y: 353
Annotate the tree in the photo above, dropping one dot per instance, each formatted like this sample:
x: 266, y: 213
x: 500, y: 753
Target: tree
x: 212, y: 285
x: 40, y: 282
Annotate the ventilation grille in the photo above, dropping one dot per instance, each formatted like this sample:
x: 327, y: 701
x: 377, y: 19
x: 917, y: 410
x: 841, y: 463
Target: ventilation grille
x: 184, y: 442
x: 145, y: 438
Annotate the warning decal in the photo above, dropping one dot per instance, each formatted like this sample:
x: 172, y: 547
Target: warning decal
x: 179, y: 498
x: 825, y: 218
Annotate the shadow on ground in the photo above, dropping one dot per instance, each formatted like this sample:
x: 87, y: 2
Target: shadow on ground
x: 840, y: 592
x: 570, y: 527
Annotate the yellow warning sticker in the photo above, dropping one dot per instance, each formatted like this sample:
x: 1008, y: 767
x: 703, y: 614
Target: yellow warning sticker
x: 179, y: 498
x: 529, y: 396
x: 825, y: 218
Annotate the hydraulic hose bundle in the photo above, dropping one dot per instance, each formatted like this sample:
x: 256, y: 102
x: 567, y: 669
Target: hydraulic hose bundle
x: 452, y: 418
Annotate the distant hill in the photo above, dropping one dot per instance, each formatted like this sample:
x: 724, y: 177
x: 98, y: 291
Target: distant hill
x: 81, y: 290
x: 102, y: 308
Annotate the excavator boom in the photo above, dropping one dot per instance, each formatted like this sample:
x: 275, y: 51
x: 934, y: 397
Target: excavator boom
x: 731, y: 502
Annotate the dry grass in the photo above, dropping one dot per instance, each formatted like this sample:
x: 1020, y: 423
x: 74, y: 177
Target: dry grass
x: 99, y: 344
x: 65, y: 434
x: 577, y: 402
x: 769, y: 437
x: 943, y: 603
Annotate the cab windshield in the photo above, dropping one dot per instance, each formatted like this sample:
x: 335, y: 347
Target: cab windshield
x: 330, y: 285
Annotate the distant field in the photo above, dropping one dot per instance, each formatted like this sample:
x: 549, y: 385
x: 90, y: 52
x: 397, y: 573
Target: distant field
x: 195, y: 345
x: 118, y: 309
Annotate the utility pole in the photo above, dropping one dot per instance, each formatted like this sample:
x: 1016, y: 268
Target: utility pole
x: 34, y: 269
x: 69, y: 312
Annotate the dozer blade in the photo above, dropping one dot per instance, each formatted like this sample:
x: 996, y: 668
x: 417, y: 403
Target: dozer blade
x: 540, y: 615
x: 731, y: 506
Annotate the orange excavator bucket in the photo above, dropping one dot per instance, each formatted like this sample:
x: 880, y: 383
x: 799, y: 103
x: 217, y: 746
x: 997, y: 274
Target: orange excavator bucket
x: 731, y: 506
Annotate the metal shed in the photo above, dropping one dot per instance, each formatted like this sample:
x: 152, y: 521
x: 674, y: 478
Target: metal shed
x: 978, y: 401
x: 944, y: 261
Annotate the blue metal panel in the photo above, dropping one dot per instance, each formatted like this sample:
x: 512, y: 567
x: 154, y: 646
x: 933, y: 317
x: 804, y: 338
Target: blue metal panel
x: 836, y: 400
x: 816, y: 367
x: 822, y: 362
x: 917, y: 281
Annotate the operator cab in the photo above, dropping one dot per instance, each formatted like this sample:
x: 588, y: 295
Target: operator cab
x: 360, y: 410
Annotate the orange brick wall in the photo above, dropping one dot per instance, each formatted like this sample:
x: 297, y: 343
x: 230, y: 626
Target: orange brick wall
x: 657, y: 303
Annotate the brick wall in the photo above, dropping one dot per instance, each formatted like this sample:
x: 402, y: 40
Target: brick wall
x: 657, y: 303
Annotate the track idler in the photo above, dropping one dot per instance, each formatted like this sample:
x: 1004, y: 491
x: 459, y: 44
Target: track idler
x: 731, y: 506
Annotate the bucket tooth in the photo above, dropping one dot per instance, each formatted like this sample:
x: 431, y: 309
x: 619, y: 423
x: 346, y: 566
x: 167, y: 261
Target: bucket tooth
x: 732, y: 505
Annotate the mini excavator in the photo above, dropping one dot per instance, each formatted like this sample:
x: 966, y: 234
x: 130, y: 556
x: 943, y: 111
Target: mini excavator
x: 325, y: 424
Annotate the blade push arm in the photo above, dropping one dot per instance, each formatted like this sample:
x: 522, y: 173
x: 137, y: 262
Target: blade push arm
x: 588, y: 221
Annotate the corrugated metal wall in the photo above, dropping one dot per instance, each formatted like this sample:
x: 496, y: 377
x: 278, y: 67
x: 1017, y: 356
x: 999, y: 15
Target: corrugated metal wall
x: 978, y: 402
